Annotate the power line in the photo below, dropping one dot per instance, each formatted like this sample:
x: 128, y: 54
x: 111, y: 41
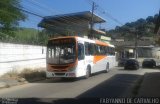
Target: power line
x: 109, y: 15
x: 101, y: 10
x: 9, y: 14
x: 33, y: 4
x: 51, y: 25
x: 62, y: 18
x: 22, y: 9
x: 30, y: 12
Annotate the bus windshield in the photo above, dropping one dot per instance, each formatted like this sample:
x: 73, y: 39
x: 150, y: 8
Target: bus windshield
x: 61, y: 51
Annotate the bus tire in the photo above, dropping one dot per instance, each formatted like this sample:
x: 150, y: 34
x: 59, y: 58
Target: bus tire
x: 88, y: 72
x: 107, y: 68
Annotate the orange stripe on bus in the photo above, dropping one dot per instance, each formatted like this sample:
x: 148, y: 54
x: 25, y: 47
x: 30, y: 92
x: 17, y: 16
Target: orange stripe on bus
x: 101, y: 43
x: 98, y: 58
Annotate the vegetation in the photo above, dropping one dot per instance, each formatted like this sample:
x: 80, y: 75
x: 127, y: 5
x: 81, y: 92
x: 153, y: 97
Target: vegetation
x: 30, y: 36
x: 142, y: 27
x: 157, y: 24
x: 10, y: 15
x: 26, y: 74
x: 26, y: 36
x: 33, y: 75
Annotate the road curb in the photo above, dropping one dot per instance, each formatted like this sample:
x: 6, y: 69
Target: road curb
x: 19, y: 82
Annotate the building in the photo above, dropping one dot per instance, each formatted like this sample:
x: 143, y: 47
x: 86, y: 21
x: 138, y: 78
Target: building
x: 72, y: 24
x: 126, y: 49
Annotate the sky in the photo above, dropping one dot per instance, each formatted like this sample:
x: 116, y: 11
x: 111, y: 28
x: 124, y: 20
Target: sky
x: 122, y: 10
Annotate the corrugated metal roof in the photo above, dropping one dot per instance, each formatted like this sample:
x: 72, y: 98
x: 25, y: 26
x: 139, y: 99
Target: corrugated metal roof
x: 72, y: 18
x: 80, y: 15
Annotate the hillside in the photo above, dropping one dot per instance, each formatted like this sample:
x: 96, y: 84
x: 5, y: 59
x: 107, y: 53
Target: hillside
x: 142, y: 27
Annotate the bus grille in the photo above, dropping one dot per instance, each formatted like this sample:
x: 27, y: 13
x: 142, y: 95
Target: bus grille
x: 59, y: 73
x: 59, y: 67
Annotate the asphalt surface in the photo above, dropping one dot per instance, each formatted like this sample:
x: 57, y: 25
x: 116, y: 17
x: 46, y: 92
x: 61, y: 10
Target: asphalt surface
x: 117, y: 83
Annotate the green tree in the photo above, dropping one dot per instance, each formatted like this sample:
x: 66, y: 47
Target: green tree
x: 10, y: 15
x: 43, y: 37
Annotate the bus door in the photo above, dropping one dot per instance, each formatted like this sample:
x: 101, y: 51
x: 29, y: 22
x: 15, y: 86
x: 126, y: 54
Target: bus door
x: 81, y: 57
x: 89, y: 52
x: 99, y: 59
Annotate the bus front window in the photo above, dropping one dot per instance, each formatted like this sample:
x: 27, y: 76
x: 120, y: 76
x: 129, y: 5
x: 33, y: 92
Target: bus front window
x: 62, y: 52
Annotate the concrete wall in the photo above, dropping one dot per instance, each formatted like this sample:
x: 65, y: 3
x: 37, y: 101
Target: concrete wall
x: 17, y: 56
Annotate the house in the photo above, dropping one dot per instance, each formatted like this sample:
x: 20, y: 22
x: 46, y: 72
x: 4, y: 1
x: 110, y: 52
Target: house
x: 72, y: 24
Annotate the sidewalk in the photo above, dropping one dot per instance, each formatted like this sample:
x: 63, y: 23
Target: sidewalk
x: 150, y: 86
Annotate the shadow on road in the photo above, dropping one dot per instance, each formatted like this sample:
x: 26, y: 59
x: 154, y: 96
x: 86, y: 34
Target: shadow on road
x: 119, y: 85
x: 58, y: 101
x: 57, y: 80
x: 122, y: 69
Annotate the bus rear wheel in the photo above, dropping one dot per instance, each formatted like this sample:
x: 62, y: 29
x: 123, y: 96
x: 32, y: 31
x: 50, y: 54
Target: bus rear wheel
x: 88, y: 72
x: 107, y: 68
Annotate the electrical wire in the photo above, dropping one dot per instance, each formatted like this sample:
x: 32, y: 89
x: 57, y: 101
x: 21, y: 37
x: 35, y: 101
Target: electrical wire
x: 101, y: 10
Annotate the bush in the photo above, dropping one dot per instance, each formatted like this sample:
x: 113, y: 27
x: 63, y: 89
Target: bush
x: 28, y: 74
x: 31, y: 75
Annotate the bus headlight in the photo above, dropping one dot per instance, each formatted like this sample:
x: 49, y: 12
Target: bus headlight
x: 71, y: 74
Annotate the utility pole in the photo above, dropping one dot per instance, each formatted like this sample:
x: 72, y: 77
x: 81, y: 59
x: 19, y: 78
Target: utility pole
x: 136, y: 43
x: 134, y: 31
x: 92, y: 21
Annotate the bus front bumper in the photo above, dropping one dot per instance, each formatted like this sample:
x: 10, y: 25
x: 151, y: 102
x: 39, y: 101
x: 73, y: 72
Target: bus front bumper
x: 60, y: 74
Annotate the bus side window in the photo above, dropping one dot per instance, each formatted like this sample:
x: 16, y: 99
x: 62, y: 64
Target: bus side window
x: 91, y: 49
x: 87, y: 49
x: 113, y: 51
x: 96, y: 49
x: 103, y: 50
x: 108, y: 50
x: 80, y: 51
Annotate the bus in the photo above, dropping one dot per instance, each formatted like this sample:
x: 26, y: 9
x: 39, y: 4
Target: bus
x: 73, y: 56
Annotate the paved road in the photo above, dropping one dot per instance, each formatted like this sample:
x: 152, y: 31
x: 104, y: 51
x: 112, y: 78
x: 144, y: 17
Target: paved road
x: 116, y: 83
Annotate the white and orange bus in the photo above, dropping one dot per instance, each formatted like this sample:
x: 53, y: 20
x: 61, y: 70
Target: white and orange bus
x: 73, y: 56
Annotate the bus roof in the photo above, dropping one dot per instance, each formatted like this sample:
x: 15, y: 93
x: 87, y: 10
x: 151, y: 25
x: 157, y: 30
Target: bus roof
x: 63, y: 37
x: 85, y: 40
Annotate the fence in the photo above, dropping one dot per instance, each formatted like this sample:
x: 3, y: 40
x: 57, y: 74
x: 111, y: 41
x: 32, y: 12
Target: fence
x: 18, y: 56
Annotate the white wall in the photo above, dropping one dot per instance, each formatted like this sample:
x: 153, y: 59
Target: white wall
x: 17, y: 56
x: 156, y: 52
